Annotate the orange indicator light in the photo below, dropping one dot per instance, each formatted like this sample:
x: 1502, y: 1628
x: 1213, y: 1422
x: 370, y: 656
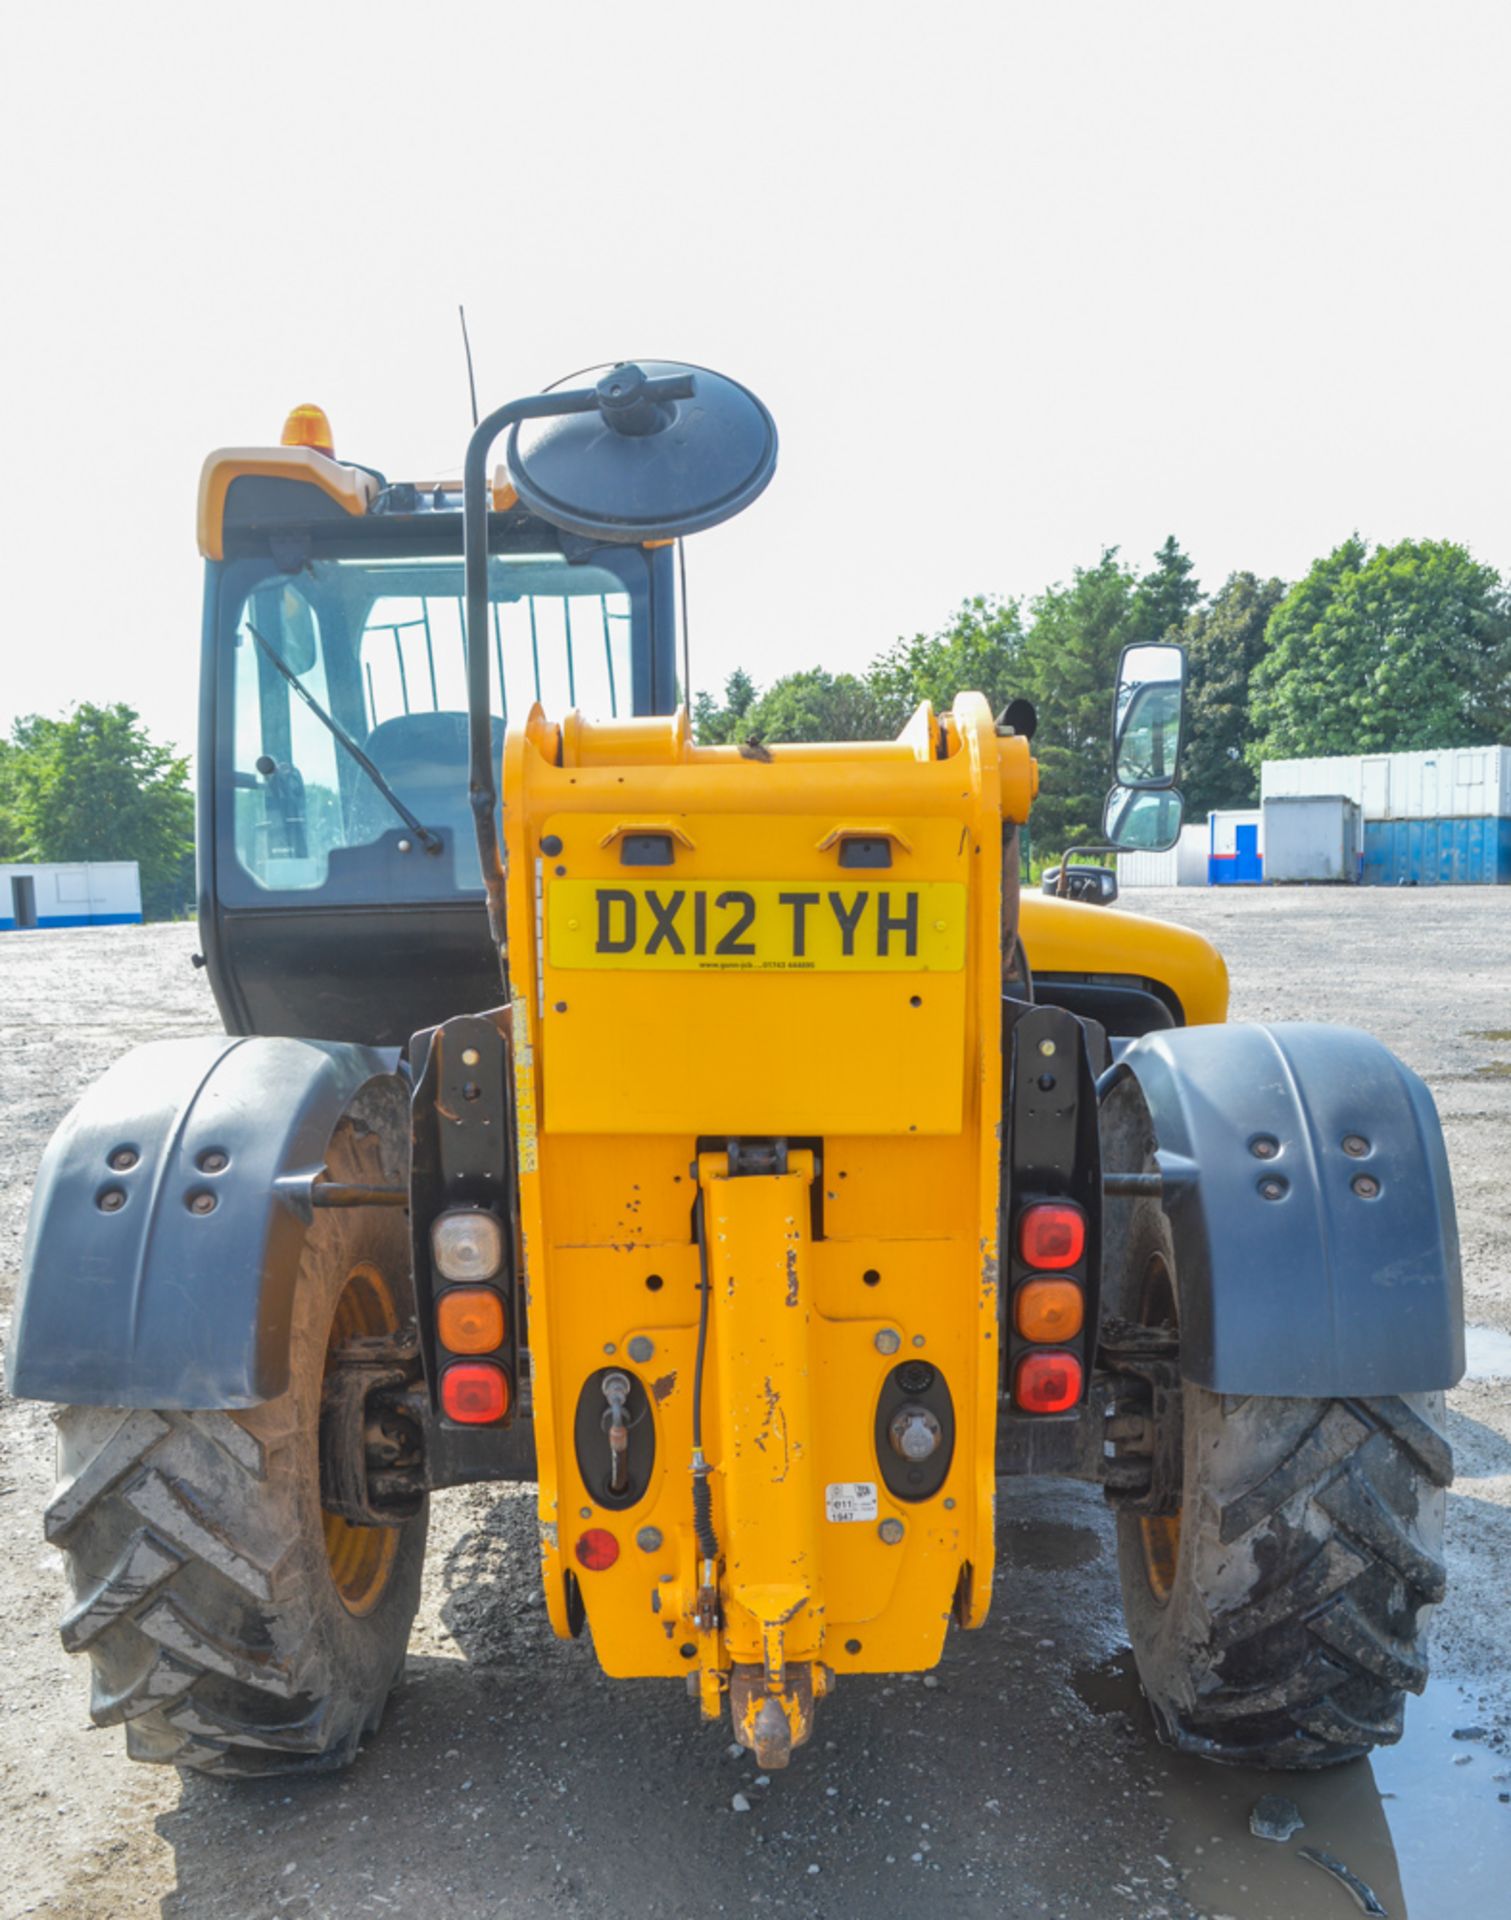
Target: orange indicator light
x: 1049, y: 1310
x: 471, y: 1320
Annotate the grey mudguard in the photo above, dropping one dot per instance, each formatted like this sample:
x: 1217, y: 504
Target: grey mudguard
x: 1322, y: 1292
x: 153, y: 1304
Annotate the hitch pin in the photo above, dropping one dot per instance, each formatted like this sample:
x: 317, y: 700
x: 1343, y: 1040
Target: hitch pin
x: 616, y: 1390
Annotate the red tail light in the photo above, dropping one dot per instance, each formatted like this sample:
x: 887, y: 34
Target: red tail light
x: 597, y: 1549
x: 1051, y: 1235
x: 1047, y: 1382
x: 475, y: 1393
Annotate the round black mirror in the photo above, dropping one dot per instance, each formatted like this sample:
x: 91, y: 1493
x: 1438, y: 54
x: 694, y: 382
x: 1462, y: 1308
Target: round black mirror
x: 641, y: 468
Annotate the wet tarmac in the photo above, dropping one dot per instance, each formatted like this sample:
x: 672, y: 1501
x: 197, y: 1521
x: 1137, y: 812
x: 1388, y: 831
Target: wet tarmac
x: 1424, y: 1826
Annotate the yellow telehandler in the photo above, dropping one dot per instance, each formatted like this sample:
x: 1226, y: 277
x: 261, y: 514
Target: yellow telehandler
x: 713, y: 1136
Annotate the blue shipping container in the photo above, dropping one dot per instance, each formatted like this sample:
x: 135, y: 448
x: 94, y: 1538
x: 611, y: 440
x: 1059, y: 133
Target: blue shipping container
x: 1437, y: 853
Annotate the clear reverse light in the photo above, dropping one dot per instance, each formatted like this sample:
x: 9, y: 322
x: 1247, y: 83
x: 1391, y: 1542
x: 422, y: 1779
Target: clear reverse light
x: 467, y: 1245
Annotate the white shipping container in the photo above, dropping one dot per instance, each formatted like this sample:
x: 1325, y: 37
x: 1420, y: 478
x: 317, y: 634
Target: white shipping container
x: 96, y: 893
x: 1149, y: 869
x: 1444, y: 783
x: 1191, y: 855
x: 1291, y: 779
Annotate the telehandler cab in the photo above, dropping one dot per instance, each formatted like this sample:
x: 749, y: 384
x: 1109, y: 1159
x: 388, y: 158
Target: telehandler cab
x: 793, y: 1182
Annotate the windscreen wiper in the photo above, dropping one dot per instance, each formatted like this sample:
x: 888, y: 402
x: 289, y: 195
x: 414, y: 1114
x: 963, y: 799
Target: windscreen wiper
x: 426, y: 838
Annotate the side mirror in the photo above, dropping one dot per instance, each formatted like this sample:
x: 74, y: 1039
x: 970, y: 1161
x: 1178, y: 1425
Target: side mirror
x: 1142, y: 819
x: 1148, y: 712
x: 298, y: 642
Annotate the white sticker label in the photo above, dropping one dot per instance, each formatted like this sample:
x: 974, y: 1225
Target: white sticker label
x: 850, y: 1500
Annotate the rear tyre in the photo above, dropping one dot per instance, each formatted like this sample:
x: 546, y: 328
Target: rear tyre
x: 1280, y: 1618
x: 231, y: 1624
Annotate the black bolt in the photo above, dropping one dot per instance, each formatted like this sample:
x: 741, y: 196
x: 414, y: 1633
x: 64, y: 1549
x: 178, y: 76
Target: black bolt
x: 654, y: 1283
x: 551, y: 844
x: 917, y: 1376
x: 871, y: 1277
x: 123, y: 1159
x: 687, y: 1650
x: 201, y: 1203
x: 1264, y: 1146
x: 1273, y: 1189
x: 1355, y: 1145
x: 1366, y: 1186
x: 560, y: 871
x: 915, y: 1000
x: 111, y: 1200
x: 852, y: 1646
x: 471, y: 1090
x: 561, y: 1006
x: 1046, y: 1082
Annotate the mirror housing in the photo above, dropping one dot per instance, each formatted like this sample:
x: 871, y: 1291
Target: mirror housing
x: 1142, y: 819
x: 663, y: 450
x: 1148, y: 715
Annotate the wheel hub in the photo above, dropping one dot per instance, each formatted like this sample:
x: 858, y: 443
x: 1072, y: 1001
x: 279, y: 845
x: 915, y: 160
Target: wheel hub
x: 370, y: 1466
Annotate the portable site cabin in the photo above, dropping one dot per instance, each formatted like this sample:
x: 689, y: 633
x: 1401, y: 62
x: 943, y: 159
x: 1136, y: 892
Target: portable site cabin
x: 96, y: 893
x: 1311, y: 839
x: 1235, y: 847
x: 1437, y: 817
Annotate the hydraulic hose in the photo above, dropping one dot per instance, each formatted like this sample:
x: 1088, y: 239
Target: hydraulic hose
x: 703, y: 1511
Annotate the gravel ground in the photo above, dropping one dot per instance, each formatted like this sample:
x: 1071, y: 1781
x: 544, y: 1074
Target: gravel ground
x: 511, y: 1779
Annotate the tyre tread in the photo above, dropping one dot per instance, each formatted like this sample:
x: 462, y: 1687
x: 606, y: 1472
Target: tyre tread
x: 1310, y: 1665
x: 196, y: 1552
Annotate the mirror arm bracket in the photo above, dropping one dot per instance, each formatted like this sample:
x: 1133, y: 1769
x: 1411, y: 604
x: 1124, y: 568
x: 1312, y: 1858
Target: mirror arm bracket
x: 627, y: 407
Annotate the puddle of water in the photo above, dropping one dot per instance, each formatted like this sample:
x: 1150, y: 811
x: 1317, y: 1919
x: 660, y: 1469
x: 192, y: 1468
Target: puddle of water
x: 1048, y: 1546
x: 1487, y: 1353
x: 1421, y: 1824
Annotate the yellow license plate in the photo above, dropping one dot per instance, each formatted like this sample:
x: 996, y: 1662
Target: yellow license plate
x: 756, y: 926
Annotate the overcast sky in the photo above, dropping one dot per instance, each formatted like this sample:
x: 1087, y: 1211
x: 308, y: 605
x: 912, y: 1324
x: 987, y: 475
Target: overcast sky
x: 1018, y: 282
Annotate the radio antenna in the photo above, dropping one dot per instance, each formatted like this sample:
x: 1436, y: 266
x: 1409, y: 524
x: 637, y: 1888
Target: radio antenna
x: 467, y: 349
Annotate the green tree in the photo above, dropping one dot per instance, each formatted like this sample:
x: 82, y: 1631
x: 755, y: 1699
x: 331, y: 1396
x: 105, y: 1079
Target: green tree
x: 1224, y: 641
x: 95, y: 786
x: 10, y: 826
x: 980, y: 651
x: 715, y: 725
x: 817, y: 705
x: 1409, y: 646
x: 1069, y: 664
x: 1165, y: 597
